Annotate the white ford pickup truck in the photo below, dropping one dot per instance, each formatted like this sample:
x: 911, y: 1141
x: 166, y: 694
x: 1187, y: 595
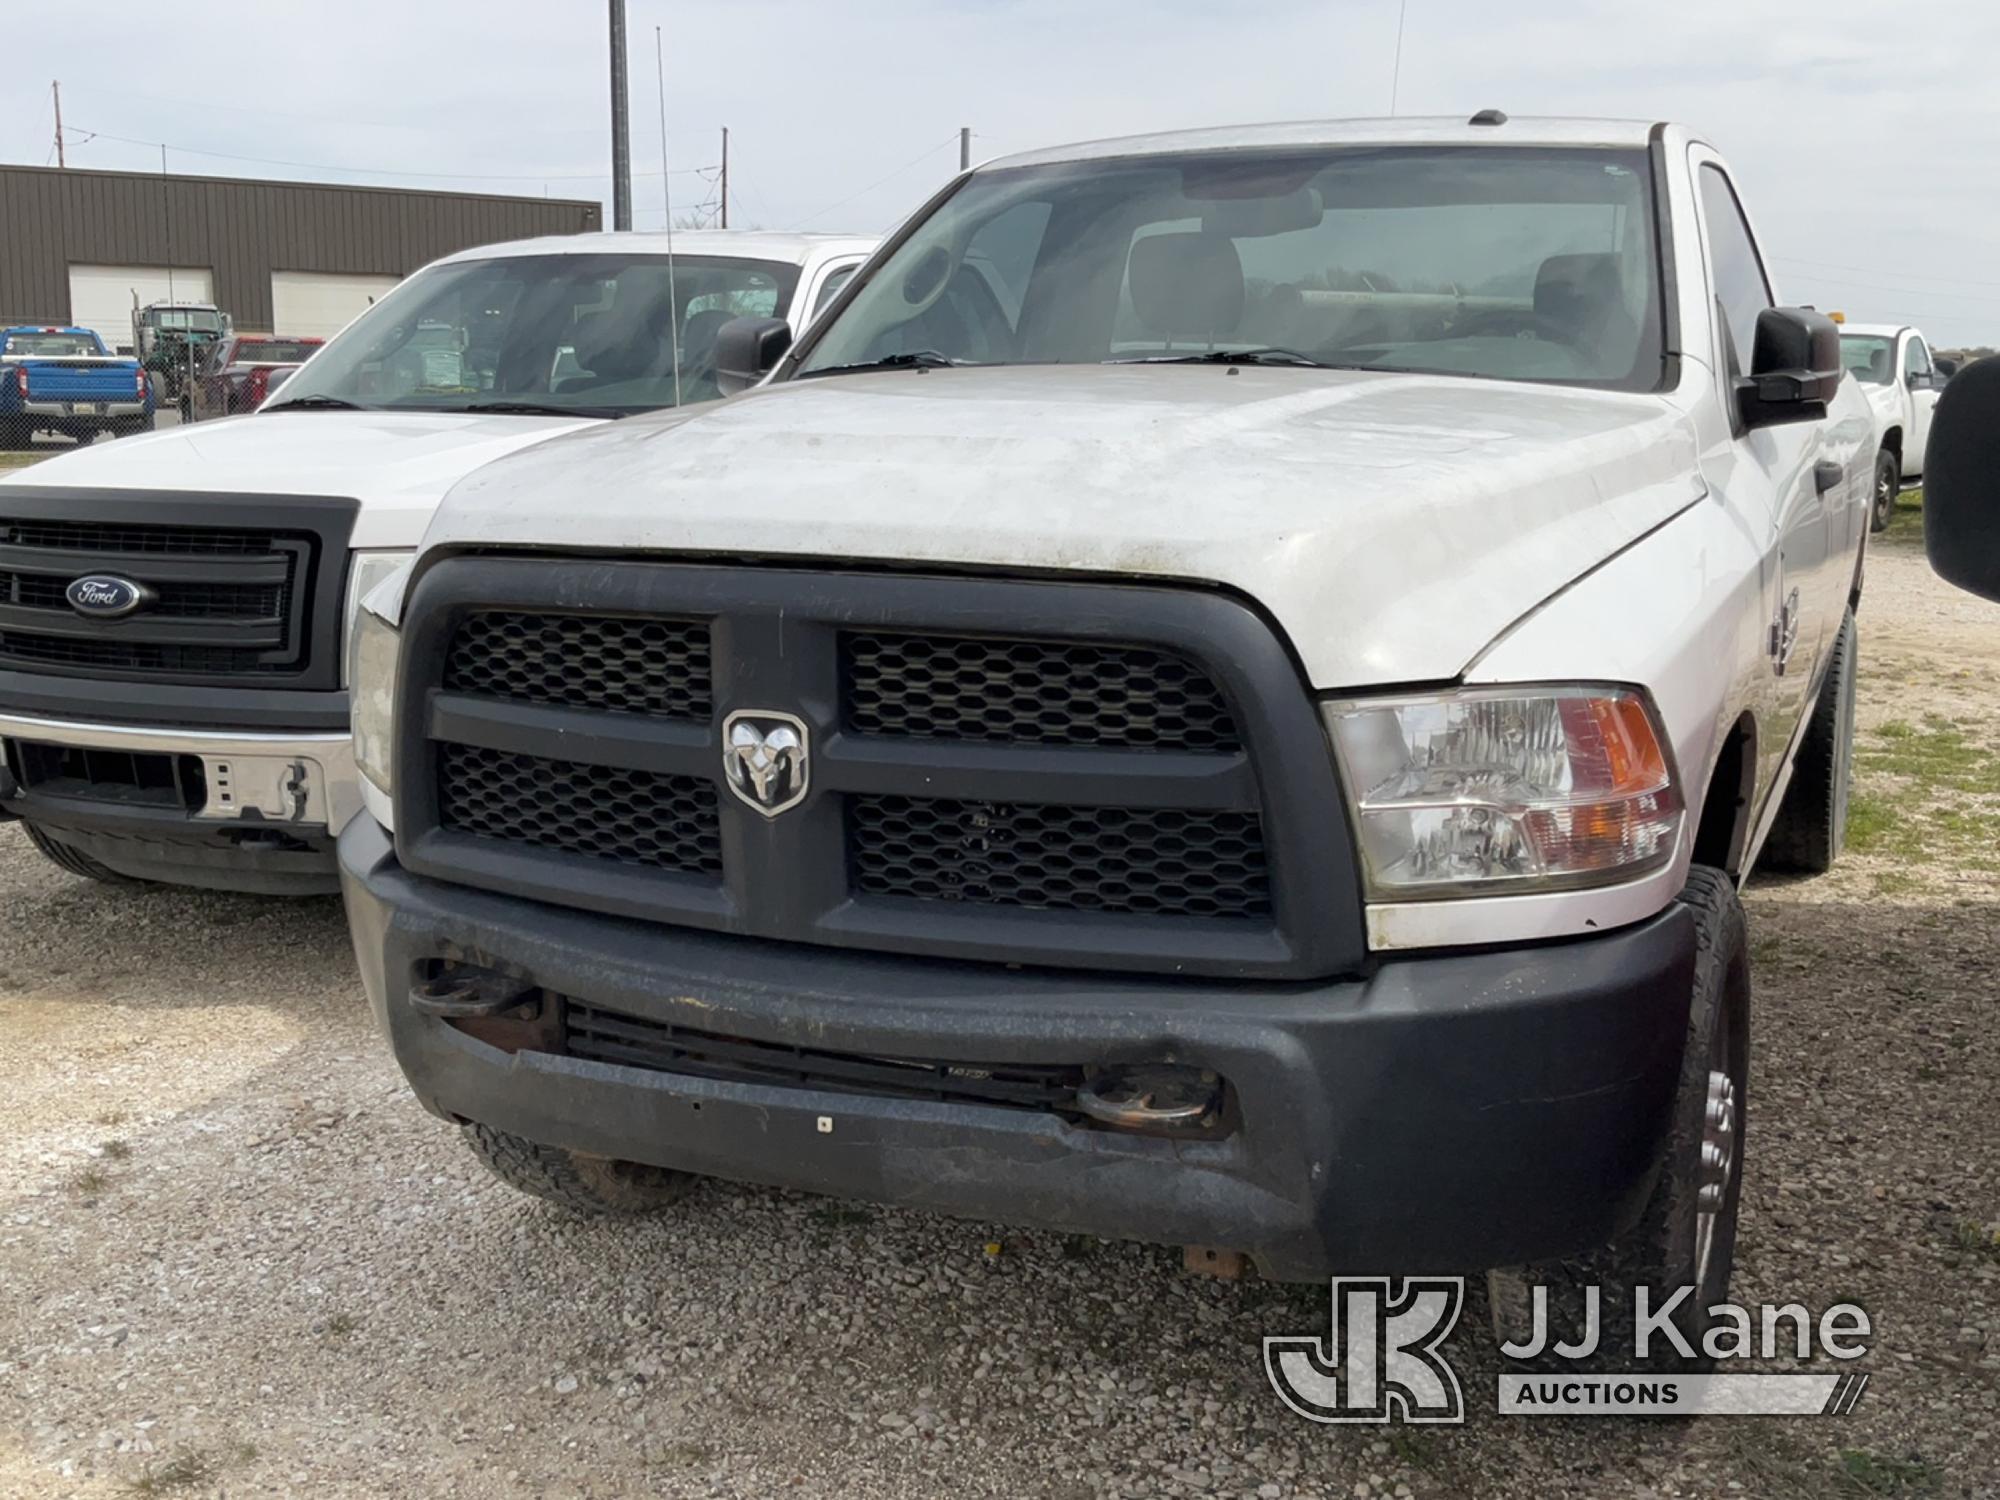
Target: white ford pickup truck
x: 175, y: 610
x: 1892, y: 363
x: 1222, y: 695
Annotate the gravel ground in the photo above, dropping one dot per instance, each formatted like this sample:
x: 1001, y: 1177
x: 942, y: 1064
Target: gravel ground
x: 238, y: 1259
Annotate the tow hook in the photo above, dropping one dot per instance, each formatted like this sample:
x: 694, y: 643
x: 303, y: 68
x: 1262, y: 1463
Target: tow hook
x: 295, y: 789
x: 1159, y: 1097
x: 461, y: 992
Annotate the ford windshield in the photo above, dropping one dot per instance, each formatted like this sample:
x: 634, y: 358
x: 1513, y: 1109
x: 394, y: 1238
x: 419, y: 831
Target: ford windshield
x: 1514, y: 264
x: 592, y: 335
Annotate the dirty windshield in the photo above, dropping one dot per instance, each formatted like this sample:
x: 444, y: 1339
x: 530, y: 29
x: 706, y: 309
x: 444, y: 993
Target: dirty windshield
x: 593, y: 334
x: 1515, y: 264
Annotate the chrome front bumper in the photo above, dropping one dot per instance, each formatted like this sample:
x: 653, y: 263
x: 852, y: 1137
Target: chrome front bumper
x: 300, y: 779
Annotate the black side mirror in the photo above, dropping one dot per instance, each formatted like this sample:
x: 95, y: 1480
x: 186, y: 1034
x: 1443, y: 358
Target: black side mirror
x: 748, y: 349
x: 1962, y: 481
x: 1794, y: 368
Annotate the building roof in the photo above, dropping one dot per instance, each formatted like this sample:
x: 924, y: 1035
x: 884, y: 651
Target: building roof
x: 1453, y: 130
x: 747, y: 244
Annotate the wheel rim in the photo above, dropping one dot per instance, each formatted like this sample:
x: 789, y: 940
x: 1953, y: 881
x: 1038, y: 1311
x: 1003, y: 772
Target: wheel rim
x: 1885, y: 493
x: 1718, y: 1153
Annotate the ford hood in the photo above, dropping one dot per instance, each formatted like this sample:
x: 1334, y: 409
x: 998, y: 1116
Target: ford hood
x: 397, y: 464
x: 1393, y: 525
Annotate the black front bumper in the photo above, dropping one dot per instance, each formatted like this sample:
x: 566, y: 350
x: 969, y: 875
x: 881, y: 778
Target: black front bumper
x: 1444, y: 1114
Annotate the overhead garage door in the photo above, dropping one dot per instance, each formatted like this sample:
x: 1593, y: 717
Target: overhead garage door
x: 100, y: 297
x: 309, y: 303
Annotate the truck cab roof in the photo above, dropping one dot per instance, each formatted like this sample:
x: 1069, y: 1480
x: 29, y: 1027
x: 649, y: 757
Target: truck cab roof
x: 1419, y: 131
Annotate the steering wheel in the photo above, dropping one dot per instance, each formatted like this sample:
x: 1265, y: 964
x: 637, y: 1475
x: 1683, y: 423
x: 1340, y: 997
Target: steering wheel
x: 1540, y: 325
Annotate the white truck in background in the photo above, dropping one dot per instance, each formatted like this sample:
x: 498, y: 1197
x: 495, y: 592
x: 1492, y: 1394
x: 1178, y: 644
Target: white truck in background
x: 176, y: 609
x: 1892, y: 361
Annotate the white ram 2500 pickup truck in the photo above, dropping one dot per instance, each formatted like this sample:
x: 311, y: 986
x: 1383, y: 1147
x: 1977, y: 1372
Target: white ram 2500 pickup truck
x: 1892, y: 363
x: 175, y: 610
x: 1222, y: 695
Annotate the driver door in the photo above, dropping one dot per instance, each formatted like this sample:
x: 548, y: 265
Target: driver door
x: 1776, y: 473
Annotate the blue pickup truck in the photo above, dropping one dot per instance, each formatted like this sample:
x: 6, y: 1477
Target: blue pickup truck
x: 64, y: 380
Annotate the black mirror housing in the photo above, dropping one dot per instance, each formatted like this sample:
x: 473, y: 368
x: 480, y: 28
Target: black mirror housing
x: 748, y: 349
x: 1794, y: 368
x: 1962, y: 481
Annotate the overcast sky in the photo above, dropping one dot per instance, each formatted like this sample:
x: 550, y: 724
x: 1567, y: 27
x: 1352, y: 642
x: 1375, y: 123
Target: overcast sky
x: 1866, y: 135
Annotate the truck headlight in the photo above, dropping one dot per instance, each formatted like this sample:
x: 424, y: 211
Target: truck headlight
x: 373, y: 696
x: 1492, y: 791
x: 364, y: 571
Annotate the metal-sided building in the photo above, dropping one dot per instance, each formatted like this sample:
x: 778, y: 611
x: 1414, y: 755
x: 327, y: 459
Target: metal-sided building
x: 279, y: 257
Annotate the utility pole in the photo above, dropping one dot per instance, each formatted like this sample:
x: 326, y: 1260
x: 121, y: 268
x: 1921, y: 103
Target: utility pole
x: 621, y: 142
x: 56, y: 89
x: 725, y: 177
x: 964, y: 147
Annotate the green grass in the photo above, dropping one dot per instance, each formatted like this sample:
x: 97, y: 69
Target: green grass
x: 1877, y: 1474
x: 184, y: 1470
x: 1906, y: 521
x: 1976, y: 1239
x: 1921, y: 800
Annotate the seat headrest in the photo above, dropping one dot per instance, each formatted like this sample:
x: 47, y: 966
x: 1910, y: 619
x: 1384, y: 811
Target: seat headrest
x: 1578, y: 291
x: 698, y: 335
x: 1187, y: 285
x: 613, y: 347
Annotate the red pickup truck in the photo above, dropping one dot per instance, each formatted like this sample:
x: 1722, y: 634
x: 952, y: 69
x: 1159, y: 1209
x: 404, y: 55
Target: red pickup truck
x: 237, y: 373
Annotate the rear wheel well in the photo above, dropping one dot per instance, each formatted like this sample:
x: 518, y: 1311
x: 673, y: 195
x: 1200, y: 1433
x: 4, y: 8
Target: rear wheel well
x: 1725, y: 810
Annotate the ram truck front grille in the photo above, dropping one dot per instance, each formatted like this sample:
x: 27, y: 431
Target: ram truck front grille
x: 1096, y: 776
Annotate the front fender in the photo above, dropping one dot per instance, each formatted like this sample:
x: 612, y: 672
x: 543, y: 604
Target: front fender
x: 1679, y: 613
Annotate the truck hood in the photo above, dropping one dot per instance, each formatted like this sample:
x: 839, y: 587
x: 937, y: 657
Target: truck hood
x: 1392, y: 524
x: 397, y: 464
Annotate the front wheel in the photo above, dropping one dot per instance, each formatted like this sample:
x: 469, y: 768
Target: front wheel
x: 1686, y: 1236
x: 1888, y: 479
x: 597, y: 1186
x: 75, y: 860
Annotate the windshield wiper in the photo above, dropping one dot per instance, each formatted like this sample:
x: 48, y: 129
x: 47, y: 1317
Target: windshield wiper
x: 536, y: 409
x: 318, y: 403
x: 916, y: 359
x: 1229, y: 357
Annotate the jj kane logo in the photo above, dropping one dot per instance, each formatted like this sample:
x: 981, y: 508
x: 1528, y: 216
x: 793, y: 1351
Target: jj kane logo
x: 1381, y: 1362
x: 104, y: 596
x: 764, y: 759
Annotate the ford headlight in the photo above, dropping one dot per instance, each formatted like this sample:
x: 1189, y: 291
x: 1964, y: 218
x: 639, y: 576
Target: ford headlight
x: 365, y: 570
x: 373, y: 696
x: 1490, y: 791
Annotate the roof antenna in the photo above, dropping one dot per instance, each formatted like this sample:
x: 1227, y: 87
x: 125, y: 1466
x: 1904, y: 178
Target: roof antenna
x: 1396, y: 73
x: 667, y: 193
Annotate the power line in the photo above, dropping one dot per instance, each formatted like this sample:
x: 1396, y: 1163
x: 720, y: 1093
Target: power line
x: 1935, y: 293
x: 76, y: 131
x: 950, y: 140
x: 1793, y: 260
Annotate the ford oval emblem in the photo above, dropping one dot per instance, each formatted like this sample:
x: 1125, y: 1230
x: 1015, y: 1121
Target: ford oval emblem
x: 104, y: 596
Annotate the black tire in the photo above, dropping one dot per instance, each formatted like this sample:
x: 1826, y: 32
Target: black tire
x: 1888, y: 480
x: 597, y: 1186
x: 75, y: 860
x: 15, y: 434
x: 1811, y: 825
x: 1666, y: 1249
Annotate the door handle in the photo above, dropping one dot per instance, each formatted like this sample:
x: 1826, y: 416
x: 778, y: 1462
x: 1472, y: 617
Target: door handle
x: 1826, y: 474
